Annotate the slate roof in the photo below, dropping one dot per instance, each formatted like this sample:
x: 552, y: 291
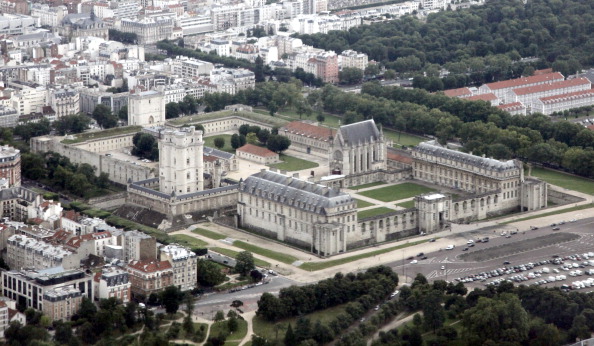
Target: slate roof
x: 217, y: 153
x: 361, y: 132
x: 433, y: 148
x: 294, y: 192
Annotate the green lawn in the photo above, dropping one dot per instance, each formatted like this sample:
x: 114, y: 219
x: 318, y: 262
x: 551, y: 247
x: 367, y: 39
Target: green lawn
x: 209, y: 142
x: 233, y: 254
x: 278, y: 256
x: 266, y: 329
x: 330, y: 120
x: 362, y: 204
x: 407, y: 204
x: 396, y: 192
x: 564, y: 180
x: 221, y: 326
x: 373, y: 212
x: 313, y: 266
x: 197, y: 118
x: 81, y: 137
x: 208, y: 234
x: 364, y: 186
x: 403, y: 138
x: 188, y: 241
x: 291, y: 164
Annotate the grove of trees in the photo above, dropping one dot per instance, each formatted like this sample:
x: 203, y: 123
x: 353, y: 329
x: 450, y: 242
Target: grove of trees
x: 477, y: 45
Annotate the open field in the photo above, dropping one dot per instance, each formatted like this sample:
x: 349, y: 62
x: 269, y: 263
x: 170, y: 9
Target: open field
x: 209, y: 142
x: 291, y: 163
x: 266, y: 329
x: 278, y: 256
x: 373, y: 212
x: 196, y: 118
x: 188, y: 241
x: 221, y: 327
x: 407, y: 204
x: 403, y: 138
x: 313, y: 266
x: 233, y: 254
x: 568, y: 181
x: 208, y: 234
x: 364, y: 186
x: 396, y: 192
x: 362, y: 204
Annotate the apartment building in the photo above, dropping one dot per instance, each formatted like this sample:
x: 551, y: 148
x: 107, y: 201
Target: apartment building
x: 350, y: 58
x: 51, y: 16
x: 29, y: 287
x: 149, y: 29
x: 148, y: 277
x: 529, y: 95
x: 138, y: 246
x: 61, y: 303
x: 559, y: 103
x: 184, y: 263
x: 112, y: 282
x: 26, y: 252
x: 64, y: 102
x: 500, y: 89
x: 29, y: 100
x: 10, y: 165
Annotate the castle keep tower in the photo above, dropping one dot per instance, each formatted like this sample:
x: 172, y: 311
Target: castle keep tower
x: 181, y: 166
x: 146, y: 108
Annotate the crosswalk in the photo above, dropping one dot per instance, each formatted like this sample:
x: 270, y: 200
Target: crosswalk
x: 448, y: 272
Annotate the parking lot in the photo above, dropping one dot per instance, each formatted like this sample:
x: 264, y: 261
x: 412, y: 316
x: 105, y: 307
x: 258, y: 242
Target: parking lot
x: 554, y: 255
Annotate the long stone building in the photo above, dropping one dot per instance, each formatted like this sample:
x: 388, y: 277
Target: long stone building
x: 320, y: 219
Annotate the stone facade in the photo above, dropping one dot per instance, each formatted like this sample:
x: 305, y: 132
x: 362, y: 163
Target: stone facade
x: 309, y: 138
x: 181, y: 165
x: 149, y: 277
x: 358, y: 148
x: 184, y: 263
x: 10, y: 165
x: 492, y: 187
x: 311, y: 216
x: 146, y: 108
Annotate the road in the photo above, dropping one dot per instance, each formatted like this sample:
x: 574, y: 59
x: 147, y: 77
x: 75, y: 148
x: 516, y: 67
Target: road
x: 209, y: 304
x: 455, y: 267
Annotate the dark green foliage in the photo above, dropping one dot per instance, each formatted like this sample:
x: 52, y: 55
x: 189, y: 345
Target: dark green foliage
x: 209, y: 274
x: 34, y: 129
x: 70, y: 124
x: 278, y: 143
x: 102, y: 114
x: 145, y: 146
x: 244, y: 263
x: 350, y: 75
x: 171, y: 298
x: 219, y: 142
x: 124, y: 37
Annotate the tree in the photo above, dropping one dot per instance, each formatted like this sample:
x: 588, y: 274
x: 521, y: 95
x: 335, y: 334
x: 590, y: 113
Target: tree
x: 350, y: 75
x: 235, y: 141
x: 389, y: 74
x: 123, y: 113
x: 244, y: 263
x: 172, y: 110
x: 232, y: 324
x: 290, y: 337
x: 219, y: 316
x: 244, y: 129
x: 252, y: 138
x: 278, y: 143
x: 263, y: 135
x: 87, y: 309
x: 209, y: 274
x: 259, y: 70
x: 270, y: 307
x: 145, y: 146
x: 219, y: 142
x: 433, y: 312
x: 102, y: 114
x: 69, y: 124
x: 171, y: 297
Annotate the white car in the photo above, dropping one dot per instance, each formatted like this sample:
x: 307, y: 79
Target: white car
x: 470, y: 241
x: 442, y: 267
x: 414, y: 262
x: 449, y: 247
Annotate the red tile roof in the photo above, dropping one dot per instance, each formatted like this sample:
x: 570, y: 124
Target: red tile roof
x: 209, y: 158
x: 518, y: 82
x: 460, y: 92
x: 309, y: 130
x: 483, y: 97
x: 75, y: 242
x: 71, y: 215
x: 256, y: 150
x: 568, y: 96
x: 512, y: 106
x: 149, y: 266
x: 551, y: 86
x: 399, y: 158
